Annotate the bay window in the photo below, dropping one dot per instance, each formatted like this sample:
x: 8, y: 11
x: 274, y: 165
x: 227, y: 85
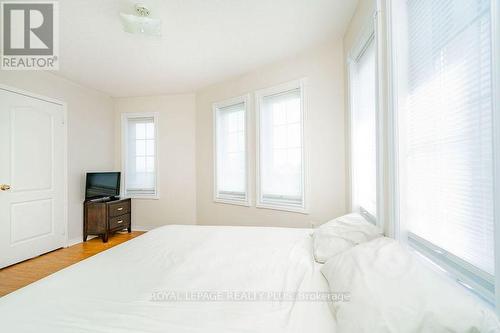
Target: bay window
x: 444, y: 119
x: 363, y: 127
x: 140, y: 160
x: 230, y: 143
x: 281, y: 167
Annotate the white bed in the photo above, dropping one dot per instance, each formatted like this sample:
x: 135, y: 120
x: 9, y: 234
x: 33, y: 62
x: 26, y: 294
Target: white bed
x: 113, y: 291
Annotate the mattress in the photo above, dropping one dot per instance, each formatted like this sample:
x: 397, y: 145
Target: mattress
x: 182, y: 279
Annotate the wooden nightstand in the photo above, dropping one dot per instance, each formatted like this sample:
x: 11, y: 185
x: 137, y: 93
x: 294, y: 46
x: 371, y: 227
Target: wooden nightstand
x: 102, y: 218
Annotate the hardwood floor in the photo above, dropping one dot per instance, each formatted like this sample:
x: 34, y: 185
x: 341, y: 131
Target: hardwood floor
x: 19, y: 275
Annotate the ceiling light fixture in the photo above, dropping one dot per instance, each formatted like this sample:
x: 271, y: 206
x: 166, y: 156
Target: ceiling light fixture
x: 141, y: 23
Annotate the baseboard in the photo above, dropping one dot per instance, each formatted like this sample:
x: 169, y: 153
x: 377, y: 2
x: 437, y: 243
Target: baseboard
x: 73, y: 241
x: 78, y: 240
x: 141, y: 228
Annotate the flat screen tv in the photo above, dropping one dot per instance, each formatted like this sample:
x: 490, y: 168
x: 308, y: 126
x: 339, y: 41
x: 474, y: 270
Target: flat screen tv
x: 102, y: 185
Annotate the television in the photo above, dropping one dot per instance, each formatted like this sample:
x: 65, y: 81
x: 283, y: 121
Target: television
x: 102, y: 185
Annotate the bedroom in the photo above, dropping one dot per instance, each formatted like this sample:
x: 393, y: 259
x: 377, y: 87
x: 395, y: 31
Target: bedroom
x: 257, y: 166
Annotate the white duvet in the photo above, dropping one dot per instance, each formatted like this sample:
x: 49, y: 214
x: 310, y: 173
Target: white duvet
x: 392, y: 291
x: 114, y: 290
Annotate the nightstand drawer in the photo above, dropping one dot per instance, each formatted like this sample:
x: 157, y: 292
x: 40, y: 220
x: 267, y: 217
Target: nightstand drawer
x: 119, y: 221
x: 119, y: 208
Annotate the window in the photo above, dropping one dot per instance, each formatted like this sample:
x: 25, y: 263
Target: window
x: 140, y: 160
x: 230, y: 151
x: 445, y: 129
x: 281, y: 176
x: 363, y: 111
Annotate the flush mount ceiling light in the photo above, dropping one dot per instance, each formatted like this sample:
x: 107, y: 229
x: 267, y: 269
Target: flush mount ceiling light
x: 141, y: 23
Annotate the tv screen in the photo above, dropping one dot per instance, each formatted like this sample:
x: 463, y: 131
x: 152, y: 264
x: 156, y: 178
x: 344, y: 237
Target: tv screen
x: 102, y: 184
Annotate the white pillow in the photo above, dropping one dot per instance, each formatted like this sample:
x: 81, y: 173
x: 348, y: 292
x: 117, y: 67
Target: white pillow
x: 393, y: 291
x: 341, y: 234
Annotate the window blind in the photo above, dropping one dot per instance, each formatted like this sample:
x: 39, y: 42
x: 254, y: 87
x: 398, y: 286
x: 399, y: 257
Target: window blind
x: 231, y: 152
x: 445, y: 129
x: 281, y: 149
x: 364, y: 133
x: 141, y: 157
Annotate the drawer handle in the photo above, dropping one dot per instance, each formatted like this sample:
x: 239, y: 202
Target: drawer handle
x: 121, y: 208
x: 120, y: 221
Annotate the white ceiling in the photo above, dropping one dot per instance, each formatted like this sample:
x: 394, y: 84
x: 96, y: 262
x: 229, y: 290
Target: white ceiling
x: 203, y: 41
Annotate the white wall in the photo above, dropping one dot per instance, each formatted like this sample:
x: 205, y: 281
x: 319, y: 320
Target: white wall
x: 323, y: 68
x: 185, y: 147
x: 90, y: 132
x: 176, y: 149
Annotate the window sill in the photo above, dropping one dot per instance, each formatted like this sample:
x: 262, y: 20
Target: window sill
x: 236, y: 202
x: 442, y: 262
x: 368, y: 215
x: 293, y: 209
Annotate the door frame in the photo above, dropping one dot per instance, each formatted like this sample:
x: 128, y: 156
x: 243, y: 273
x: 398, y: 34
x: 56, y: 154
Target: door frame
x: 64, y: 106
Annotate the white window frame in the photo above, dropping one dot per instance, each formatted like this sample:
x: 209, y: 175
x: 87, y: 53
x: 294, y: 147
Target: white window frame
x: 495, y: 28
x: 462, y: 272
x: 368, y: 35
x: 215, y: 107
x: 124, y: 141
x: 259, y: 95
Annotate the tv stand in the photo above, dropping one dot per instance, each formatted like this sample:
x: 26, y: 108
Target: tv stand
x: 104, y: 216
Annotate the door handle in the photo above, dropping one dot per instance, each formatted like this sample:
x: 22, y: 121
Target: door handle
x: 4, y: 187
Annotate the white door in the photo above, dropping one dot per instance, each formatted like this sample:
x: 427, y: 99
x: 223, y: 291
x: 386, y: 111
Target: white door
x: 32, y: 177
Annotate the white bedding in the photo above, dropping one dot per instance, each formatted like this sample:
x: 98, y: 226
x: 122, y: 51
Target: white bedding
x: 392, y: 291
x: 112, y: 291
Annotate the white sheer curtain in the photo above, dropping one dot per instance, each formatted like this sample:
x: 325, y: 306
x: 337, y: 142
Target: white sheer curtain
x: 281, y: 148
x: 445, y: 127
x: 364, y: 133
x: 231, y: 151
